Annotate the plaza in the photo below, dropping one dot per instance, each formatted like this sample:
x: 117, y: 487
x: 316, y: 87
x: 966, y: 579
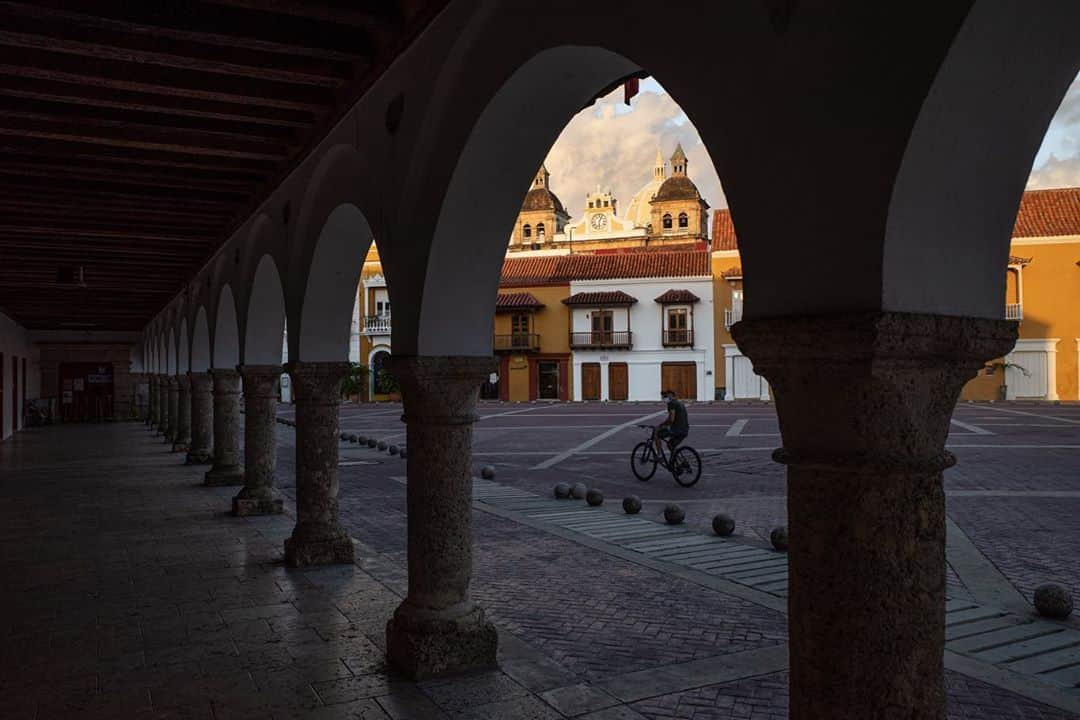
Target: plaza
x: 132, y: 594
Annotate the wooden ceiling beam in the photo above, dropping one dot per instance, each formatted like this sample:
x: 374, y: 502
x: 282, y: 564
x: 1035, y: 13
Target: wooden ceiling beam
x: 214, y: 24
x: 28, y: 33
x: 115, y: 74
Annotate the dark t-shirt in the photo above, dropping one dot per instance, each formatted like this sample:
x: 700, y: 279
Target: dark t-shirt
x: 681, y: 424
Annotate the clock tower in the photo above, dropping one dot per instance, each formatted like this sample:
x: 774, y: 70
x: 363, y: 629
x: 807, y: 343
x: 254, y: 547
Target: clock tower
x: 600, y: 211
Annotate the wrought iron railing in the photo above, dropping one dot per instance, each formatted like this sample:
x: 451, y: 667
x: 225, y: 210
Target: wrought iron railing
x: 517, y: 341
x: 1014, y: 311
x: 732, y: 315
x: 678, y: 338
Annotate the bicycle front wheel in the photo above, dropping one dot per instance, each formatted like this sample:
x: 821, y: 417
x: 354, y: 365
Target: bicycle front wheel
x: 686, y: 466
x: 643, y: 461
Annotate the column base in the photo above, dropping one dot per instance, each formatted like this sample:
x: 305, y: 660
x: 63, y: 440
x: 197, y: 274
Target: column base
x: 430, y: 645
x: 266, y: 504
x: 199, y: 457
x: 218, y: 477
x: 310, y: 546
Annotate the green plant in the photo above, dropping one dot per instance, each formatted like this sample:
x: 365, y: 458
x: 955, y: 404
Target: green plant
x: 356, y: 383
x: 1003, y: 366
x: 386, y: 383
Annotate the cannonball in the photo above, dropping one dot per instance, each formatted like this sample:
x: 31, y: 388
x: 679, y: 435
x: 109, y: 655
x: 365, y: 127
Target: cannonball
x: 353, y: 438
x: 562, y: 491
x: 487, y: 472
x: 779, y: 539
x: 362, y: 439
x: 594, y: 497
x: 382, y: 445
x: 372, y: 442
x: 631, y: 505
x: 723, y: 525
x: 344, y: 436
x: 1053, y: 601
x: 403, y: 454
x: 393, y: 449
x: 579, y: 491
x: 673, y: 514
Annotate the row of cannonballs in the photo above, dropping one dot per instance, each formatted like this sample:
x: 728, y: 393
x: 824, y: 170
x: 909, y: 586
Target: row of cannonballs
x: 723, y: 525
x: 374, y: 444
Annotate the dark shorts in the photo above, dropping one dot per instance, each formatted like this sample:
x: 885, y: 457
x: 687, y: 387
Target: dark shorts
x: 673, y: 438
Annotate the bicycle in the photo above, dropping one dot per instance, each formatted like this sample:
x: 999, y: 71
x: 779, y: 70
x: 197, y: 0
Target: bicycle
x: 683, y: 463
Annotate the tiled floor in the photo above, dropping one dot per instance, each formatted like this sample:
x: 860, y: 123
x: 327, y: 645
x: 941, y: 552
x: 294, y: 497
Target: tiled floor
x: 129, y: 593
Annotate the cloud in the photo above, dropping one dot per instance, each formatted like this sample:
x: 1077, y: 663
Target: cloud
x: 1057, y: 164
x: 614, y: 147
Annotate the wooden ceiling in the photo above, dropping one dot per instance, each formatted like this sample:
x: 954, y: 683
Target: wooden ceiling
x: 136, y: 135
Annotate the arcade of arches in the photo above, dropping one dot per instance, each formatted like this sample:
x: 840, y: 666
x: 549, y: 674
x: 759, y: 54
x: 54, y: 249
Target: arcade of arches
x: 432, y: 159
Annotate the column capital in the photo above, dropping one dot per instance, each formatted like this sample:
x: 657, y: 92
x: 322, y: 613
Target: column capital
x: 440, y: 389
x: 183, y: 381
x: 200, y: 381
x: 862, y: 391
x: 260, y: 380
x: 318, y: 382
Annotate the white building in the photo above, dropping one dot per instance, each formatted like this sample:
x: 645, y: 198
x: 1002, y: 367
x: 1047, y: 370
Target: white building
x: 632, y: 338
x: 376, y: 326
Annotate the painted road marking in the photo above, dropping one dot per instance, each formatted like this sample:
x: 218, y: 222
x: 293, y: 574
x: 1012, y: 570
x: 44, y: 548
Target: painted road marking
x: 599, y: 438
x: 973, y: 429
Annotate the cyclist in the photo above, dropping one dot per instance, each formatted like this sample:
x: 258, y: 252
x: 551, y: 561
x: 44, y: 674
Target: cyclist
x: 676, y: 427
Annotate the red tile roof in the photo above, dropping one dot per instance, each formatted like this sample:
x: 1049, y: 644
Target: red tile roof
x: 1043, y: 213
x: 723, y: 231
x: 732, y: 272
x: 561, y: 269
x: 612, y: 297
x: 1021, y: 261
x: 678, y: 296
x: 1048, y: 213
x: 517, y: 301
x: 674, y: 247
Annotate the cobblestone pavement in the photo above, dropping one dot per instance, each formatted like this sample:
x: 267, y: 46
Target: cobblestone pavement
x: 766, y: 698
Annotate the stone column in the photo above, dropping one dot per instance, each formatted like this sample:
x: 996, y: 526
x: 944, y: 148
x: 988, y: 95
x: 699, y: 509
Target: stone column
x: 226, y: 469
x: 258, y: 496
x: 864, y: 403
x: 438, y: 630
x: 318, y: 538
x: 172, y: 397
x: 182, y: 434
x: 152, y: 416
x: 199, y: 451
x: 163, y: 403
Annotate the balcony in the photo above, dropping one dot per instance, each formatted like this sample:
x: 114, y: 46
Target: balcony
x: 732, y: 315
x: 1014, y: 311
x: 602, y: 340
x: 678, y: 338
x: 517, y: 342
x: 377, y: 325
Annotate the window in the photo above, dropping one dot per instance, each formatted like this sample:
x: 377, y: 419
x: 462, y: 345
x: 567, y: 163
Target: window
x: 539, y: 230
x: 676, y: 319
x: 527, y: 231
x: 684, y: 221
x: 606, y: 203
x: 667, y: 221
x: 677, y: 329
x: 590, y: 204
x: 519, y: 323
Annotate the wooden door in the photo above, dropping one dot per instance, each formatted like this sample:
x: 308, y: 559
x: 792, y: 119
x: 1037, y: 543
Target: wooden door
x: 590, y: 381
x: 618, y: 382
x: 680, y: 378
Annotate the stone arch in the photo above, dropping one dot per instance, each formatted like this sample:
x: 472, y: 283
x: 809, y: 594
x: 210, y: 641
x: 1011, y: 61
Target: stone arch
x: 265, y: 324
x: 183, y: 357
x: 330, y: 293
x: 374, y: 364
x: 200, y: 342
x: 963, y: 172
x: 170, y: 352
x: 225, y: 351
x: 529, y: 122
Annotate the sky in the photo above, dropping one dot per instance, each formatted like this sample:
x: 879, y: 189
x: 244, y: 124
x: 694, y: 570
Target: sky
x: 614, y: 146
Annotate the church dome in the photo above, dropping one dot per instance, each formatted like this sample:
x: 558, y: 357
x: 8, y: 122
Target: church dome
x: 540, y: 198
x: 638, y: 211
x: 677, y: 187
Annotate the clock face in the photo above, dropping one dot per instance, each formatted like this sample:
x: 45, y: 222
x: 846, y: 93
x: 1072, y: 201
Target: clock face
x: 599, y: 221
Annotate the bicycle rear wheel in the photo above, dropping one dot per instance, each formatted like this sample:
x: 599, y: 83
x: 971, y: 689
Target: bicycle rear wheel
x: 686, y: 466
x: 643, y: 461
